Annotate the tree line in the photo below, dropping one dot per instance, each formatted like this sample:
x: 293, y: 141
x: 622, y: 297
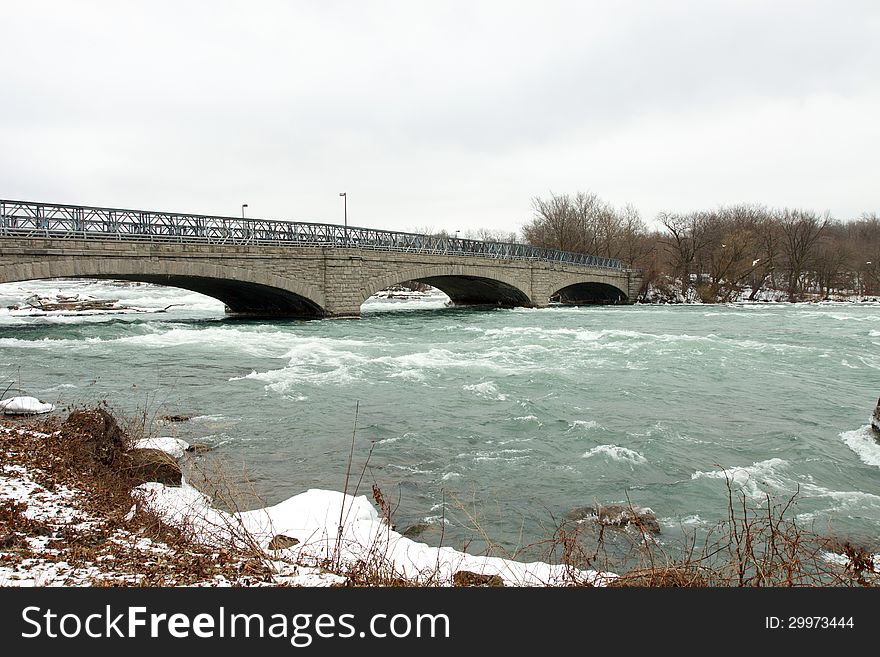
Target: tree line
x: 719, y: 253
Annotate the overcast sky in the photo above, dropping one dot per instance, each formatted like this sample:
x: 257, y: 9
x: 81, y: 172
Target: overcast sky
x: 441, y: 115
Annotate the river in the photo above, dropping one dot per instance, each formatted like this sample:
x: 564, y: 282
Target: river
x: 504, y: 419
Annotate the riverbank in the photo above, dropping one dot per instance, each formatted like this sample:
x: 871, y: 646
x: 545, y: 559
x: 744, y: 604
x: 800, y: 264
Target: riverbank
x: 671, y: 292
x: 65, y: 521
x: 72, y: 513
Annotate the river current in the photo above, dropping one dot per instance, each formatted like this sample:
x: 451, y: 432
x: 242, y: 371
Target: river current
x: 509, y: 418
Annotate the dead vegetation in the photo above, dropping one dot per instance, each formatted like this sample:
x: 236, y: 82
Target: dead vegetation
x: 113, y: 533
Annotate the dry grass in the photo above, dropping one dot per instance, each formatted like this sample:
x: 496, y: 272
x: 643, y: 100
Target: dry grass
x: 116, y: 536
x: 756, y: 545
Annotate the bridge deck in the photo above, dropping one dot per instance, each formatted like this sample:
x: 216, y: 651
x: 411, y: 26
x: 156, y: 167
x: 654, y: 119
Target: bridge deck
x: 27, y: 219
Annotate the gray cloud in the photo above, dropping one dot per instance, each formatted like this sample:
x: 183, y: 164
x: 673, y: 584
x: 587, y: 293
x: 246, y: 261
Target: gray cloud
x: 444, y: 115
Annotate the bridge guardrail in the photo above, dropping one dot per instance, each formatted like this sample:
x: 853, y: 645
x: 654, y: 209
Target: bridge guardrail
x: 33, y: 219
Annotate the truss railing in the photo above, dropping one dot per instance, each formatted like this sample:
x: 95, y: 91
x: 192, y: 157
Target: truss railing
x: 29, y: 219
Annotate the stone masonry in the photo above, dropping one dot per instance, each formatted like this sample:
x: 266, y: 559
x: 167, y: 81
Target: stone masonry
x: 310, y: 281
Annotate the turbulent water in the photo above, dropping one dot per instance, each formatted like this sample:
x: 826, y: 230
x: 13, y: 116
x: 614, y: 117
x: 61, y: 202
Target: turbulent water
x: 506, y: 418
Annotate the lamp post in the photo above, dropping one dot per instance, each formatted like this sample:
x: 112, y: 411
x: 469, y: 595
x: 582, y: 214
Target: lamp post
x: 243, y: 206
x: 345, y: 215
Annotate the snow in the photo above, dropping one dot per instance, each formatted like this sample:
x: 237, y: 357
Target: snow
x: 25, y: 406
x: 174, y: 447
x: 60, y: 511
x: 334, y: 527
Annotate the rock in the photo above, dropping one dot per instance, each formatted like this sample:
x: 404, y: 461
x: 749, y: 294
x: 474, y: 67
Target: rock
x: 668, y: 576
x: 199, y: 448
x: 10, y: 541
x: 875, y: 419
x: 174, y: 447
x: 175, y: 418
x: 616, y: 515
x: 282, y: 542
x: 468, y: 578
x: 144, y: 465
x: 579, y: 513
x: 99, y: 432
x: 25, y: 406
x: 416, y: 530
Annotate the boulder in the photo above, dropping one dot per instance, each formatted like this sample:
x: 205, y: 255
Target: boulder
x: 174, y: 447
x: 416, y: 530
x: 99, y: 432
x: 672, y: 576
x: 616, y: 515
x: 145, y: 465
x: 468, y: 578
x: 24, y: 406
x: 175, y: 418
x: 875, y: 419
x: 10, y: 541
x: 282, y: 542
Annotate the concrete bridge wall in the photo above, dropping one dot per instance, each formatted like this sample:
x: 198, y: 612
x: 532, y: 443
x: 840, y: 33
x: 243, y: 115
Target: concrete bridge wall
x: 309, y: 281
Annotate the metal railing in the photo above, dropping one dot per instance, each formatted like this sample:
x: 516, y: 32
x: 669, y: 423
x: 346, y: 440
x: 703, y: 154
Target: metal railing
x: 30, y: 219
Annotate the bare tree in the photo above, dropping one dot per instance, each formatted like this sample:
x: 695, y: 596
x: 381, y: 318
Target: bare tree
x: 767, y: 254
x: 584, y: 223
x: 491, y: 235
x: 862, y: 237
x: 688, y: 236
x: 801, y: 230
x: 554, y: 224
x: 731, y: 246
x: 635, y: 243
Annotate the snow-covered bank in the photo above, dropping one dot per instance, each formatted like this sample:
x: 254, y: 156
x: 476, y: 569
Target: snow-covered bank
x: 49, y: 511
x: 61, y: 531
x: 669, y: 292
x: 340, y: 529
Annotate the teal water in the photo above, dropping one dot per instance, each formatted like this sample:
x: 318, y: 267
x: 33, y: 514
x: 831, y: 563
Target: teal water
x: 511, y: 416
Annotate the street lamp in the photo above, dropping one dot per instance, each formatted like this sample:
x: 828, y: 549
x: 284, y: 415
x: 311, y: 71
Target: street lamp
x: 345, y: 214
x: 243, y: 206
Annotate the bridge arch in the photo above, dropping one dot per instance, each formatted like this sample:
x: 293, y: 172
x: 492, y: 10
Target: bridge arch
x: 587, y: 292
x: 462, y: 284
x: 244, y: 291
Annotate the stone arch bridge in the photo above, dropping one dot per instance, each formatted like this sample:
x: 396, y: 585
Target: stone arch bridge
x: 292, y: 269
